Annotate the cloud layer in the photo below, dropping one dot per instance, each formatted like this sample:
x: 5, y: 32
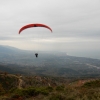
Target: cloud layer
x: 75, y: 24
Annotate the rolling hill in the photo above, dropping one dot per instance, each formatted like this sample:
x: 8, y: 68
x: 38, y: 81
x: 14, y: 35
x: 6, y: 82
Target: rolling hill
x: 14, y: 60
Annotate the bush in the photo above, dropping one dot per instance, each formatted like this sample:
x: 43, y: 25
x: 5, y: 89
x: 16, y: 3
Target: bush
x: 49, y: 88
x: 30, y: 92
x: 60, y: 88
x: 43, y: 91
x: 93, y: 84
x: 57, y: 97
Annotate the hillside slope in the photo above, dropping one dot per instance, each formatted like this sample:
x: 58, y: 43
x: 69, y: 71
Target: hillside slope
x: 17, y: 87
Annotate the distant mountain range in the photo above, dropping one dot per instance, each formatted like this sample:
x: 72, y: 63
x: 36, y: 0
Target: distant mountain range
x: 14, y: 60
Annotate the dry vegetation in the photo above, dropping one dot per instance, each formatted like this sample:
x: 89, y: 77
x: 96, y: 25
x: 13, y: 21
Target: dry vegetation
x: 17, y: 87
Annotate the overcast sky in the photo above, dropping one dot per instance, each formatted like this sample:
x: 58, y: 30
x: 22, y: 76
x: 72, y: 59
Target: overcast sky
x: 75, y: 25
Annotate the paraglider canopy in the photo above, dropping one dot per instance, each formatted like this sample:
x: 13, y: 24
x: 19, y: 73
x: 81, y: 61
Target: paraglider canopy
x: 34, y: 25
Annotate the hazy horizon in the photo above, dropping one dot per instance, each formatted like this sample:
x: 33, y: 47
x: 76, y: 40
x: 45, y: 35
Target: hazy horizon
x: 86, y: 54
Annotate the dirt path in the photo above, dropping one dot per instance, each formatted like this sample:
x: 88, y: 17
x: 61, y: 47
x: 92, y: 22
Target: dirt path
x: 20, y: 82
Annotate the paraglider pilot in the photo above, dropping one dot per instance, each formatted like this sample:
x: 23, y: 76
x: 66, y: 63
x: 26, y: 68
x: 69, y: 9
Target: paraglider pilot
x: 36, y: 54
x: 34, y: 25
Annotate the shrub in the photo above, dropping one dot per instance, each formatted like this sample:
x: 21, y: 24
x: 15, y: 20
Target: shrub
x: 49, y: 88
x: 57, y: 97
x: 60, y: 88
x: 93, y: 84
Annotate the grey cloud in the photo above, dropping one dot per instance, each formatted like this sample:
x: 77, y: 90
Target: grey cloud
x: 79, y: 19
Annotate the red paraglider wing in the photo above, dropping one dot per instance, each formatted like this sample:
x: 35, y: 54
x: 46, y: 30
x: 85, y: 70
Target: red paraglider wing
x: 34, y: 25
